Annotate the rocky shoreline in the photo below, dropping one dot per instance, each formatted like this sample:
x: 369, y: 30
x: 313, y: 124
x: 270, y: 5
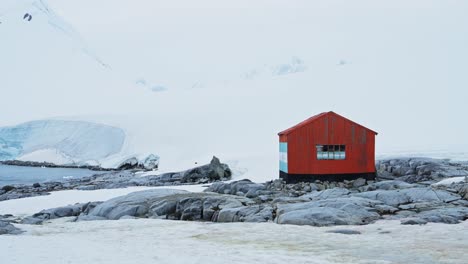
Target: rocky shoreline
x: 52, y: 165
x: 412, y: 196
x: 214, y: 171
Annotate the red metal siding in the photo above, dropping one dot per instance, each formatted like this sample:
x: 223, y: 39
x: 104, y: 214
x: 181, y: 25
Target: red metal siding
x: 330, y: 129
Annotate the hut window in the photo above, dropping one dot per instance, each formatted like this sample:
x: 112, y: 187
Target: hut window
x: 331, y: 152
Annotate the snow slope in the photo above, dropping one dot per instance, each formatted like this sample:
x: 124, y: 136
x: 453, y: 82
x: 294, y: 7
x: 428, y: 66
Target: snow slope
x: 234, y: 74
x: 47, y: 69
x: 60, y: 142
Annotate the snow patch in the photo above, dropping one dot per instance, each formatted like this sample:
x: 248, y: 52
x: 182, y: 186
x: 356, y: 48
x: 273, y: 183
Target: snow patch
x: 449, y: 181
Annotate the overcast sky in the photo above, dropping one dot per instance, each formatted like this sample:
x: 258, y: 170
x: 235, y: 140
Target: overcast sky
x: 396, y: 66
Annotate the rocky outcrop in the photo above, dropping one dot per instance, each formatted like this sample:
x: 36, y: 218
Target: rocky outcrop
x: 166, y: 204
x: 230, y: 202
x: 7, y: 228
x: 59, y: 212
x: 334, y: 211
x: 357, y: 202
x: 414, y: 170
x: 150, y: 162
x: 52, y: 165
x: 214, y: 171
x: 410, y: 196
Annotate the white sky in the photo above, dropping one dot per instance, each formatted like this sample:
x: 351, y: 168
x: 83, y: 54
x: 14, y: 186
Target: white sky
x: 408, y: 56
x: 404, y: 74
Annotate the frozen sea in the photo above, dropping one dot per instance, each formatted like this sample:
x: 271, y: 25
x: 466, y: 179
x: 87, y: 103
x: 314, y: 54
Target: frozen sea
x: 29, y: 175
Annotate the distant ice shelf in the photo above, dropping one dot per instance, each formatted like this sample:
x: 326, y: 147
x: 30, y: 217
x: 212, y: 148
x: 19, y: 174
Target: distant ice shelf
x: 60, y: 142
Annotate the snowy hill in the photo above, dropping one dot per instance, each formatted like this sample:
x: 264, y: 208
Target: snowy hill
x: 48, y: 70
x: 228, y: 78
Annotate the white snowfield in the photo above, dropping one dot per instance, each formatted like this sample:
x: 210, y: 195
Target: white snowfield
x: 165, y: 241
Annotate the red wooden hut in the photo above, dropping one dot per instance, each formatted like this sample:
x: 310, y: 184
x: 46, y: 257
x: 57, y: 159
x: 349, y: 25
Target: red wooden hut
x: 328, y: 147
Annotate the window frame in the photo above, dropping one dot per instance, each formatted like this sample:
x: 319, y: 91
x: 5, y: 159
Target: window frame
x: 330, y: 152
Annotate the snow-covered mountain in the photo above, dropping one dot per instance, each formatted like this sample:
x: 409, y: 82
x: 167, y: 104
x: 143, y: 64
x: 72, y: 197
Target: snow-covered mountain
x: 48, y: 70
x: 233, y: 76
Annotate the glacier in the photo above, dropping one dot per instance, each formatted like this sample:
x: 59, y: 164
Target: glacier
x: 74, y: 142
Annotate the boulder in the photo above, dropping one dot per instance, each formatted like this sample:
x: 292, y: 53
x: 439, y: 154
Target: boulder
x: 241, y: 187
x: 134, y: 204
x: 327, y: 194
x: 53, y: 213
x: 414, y: 221
x: 450, y: 215
x: 333, y: 211
x: 9, y: 229
x: 320, y: 216
x: 344, y: 231
x: 190, y: 208
x: 171, y: 204
x: 359, y: 182
x: 411, y: 195
x: 254, y: 213
x: 388, y: 185
x: 211, y: 172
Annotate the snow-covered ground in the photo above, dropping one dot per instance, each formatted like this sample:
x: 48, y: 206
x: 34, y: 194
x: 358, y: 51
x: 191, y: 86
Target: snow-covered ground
x: 163, y: 241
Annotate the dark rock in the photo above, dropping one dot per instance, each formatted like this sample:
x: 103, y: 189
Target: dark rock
x: 8, y: 188
x: 170, y: 204
x: 345, y: 232
x: 415, y: 170
x: 320, y: 216
x: 414, y: 221
x: 131, y: 163
x: 359, y: 182
x: 253, y: 213
x: 134, y: 204
x: 36, y: 185
x: 327, y: 194
x: 412, y: 195
x: 388, y: 185
x: 212, y: 172
x: 237, y: 187
x: 385, y: 232
x: 333, y: 211
x: 451, y: 215
x: 9, y: 229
